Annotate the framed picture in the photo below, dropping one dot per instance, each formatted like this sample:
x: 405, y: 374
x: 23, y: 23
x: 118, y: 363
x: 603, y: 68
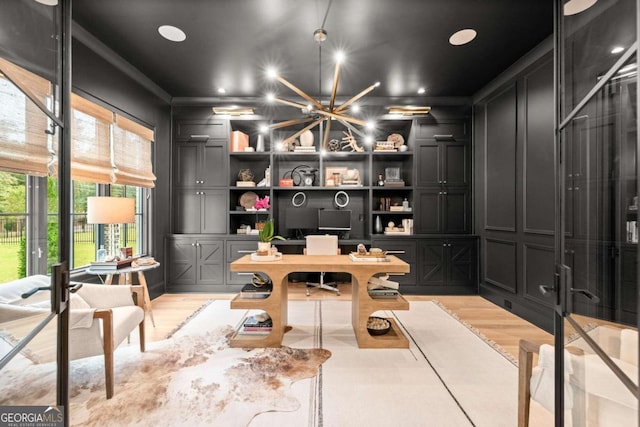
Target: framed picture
x: 333, y: 175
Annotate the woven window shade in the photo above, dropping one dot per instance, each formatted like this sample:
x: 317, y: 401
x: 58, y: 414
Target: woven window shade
x: 132, y: 154
x: 23, y: 142
x: 33, y: 85
x: 90, y: 142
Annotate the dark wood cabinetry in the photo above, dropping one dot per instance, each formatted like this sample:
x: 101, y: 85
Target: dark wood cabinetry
x: 443, y: 177
x: 196, y: 264
x: 432, y: 190
x: 200, y: 163
x: 447, y: 265
x: 200, y: 211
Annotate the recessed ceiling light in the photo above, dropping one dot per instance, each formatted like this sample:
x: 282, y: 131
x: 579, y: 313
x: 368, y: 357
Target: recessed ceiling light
x: 573, y: 7
x: 462, y: 37
x: 421, y: 90
x: 222, y: 90
x: 48, y: 2
x: 172, y: 33
x: 617, y: 49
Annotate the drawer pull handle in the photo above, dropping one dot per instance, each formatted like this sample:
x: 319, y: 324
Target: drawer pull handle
x: 396, y: 252
x: 443, y: 137
x: 245, y: 252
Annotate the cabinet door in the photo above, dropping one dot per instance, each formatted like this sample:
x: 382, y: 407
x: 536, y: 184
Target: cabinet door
x: 186, y: 164
x: 213, y: 211
x: 210, y: 261
x: 455, y: 167
x: 455, y: 210
x: 200, y: 129
x: 427, y: 216
x: 187, y: 211
x: 461, y: 262
x: 431, y: 263
x: 428, y: 164
x: 181, y: 254
x: 214, y: 164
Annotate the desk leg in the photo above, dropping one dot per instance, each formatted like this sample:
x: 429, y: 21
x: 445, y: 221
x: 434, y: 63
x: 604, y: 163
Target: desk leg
x: 147, y: 299
x: 109, y: 279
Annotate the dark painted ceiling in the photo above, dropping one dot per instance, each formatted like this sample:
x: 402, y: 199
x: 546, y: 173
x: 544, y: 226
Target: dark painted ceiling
x: 401, y: 43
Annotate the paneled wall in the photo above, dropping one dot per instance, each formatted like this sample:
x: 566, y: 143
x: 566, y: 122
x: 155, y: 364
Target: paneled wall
x: 514, y: 190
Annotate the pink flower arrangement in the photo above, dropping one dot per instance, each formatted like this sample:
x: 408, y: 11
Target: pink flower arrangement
x: 262, y: 203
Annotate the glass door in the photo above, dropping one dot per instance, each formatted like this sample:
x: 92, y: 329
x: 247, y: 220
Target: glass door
x: 596, y: 249
x: 33, y: 274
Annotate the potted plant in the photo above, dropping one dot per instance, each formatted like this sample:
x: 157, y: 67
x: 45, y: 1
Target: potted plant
x: 266, y: 235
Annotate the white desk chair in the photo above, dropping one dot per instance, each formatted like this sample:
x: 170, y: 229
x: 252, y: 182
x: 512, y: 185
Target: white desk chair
x: 322, y: 245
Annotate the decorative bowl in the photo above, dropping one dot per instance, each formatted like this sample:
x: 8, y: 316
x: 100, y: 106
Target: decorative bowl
x: 378, y: 325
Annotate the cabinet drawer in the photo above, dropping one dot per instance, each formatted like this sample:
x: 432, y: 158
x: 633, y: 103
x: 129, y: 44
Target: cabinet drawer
x: 238, y: 248
x: 446, y: 131
x: 201, y: 129
x: 409, y: 256
x: 238, y: 278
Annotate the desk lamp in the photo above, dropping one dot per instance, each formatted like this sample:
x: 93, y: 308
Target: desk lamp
x: 111, y: 211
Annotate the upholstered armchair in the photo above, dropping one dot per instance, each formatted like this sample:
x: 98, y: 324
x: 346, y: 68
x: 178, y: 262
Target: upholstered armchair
x: 101, y: 317
x: 594, y: 396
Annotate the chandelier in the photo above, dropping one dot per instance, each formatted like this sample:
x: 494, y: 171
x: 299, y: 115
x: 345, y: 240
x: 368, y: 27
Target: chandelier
x: 315, y: 110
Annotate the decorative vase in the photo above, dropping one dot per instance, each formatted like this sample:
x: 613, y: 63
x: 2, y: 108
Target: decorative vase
x: 260, y: 143
x: 264, y: 248
x: 378, y: 225
x: 306, y: 138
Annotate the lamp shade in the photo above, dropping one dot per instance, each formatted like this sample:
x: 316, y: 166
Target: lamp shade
x: 110, y: 210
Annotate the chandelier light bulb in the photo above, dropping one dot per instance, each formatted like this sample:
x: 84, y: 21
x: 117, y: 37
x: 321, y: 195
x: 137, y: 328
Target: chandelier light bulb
x: 271, y: 97
x: 263, y: 129
x: 370, y: 125
x: 376, y: 84
x: 340, y: 56
x: 272, y: 73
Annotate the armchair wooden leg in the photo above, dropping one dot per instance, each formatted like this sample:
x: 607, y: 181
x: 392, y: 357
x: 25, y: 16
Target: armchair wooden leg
x: 142, y: 336
x: 525, y: 366
x: 107, y: 343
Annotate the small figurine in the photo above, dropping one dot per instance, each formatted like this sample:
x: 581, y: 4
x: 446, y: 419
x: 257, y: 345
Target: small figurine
x: 362, y: 250
x: 262, y: 203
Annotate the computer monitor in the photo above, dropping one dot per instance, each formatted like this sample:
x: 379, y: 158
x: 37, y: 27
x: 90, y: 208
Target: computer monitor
x: 300, y: 221
x: 334, y: 219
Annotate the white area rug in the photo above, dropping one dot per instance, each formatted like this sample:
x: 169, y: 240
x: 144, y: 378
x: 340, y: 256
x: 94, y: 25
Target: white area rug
x: 449, y: 377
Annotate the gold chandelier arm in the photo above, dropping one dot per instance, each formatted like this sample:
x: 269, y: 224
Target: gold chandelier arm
x: 340, y: 117
x: 334, y: 91
x: 353, y: 128
x: 355, y: 98
x: 325, y: 141
x: 291, y: 103
x: 299, y: 92
x: 290, y: 123
x: 306, y: 128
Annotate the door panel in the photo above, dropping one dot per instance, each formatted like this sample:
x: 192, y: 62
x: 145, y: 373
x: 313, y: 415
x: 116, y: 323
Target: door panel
x: 428, y: 162
x: 596, y: 300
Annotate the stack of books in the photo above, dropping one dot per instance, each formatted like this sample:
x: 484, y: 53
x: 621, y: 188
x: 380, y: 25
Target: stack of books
x: 301, y: 149
x: 250, y: 291
x: 252, y: 325
x: 382, y: 287
x: 107, y: 266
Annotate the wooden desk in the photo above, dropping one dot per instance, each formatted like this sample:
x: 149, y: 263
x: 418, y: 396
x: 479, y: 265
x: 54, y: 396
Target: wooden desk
x: 125, y: 278
x: 362, y: 305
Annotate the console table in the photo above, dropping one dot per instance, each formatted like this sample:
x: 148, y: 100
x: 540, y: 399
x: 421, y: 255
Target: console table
x: 362, y: 305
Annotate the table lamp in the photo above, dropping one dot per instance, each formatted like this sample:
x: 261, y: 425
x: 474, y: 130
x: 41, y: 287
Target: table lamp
x: 111, y: 211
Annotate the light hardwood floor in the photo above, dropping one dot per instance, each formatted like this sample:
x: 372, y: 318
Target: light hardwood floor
x: 497, y: 324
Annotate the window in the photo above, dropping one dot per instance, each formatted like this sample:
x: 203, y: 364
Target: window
x: 110, y: 155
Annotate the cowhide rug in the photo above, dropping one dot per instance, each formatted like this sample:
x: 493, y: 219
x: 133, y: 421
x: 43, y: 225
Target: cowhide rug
x: 191, y: 380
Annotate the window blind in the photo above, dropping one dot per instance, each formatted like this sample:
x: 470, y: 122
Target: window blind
x: 90, y: 141
x: 23, y: 141
x: 132, y: 153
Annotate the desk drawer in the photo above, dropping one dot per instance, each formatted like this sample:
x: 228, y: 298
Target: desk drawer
x: 238, y: 248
